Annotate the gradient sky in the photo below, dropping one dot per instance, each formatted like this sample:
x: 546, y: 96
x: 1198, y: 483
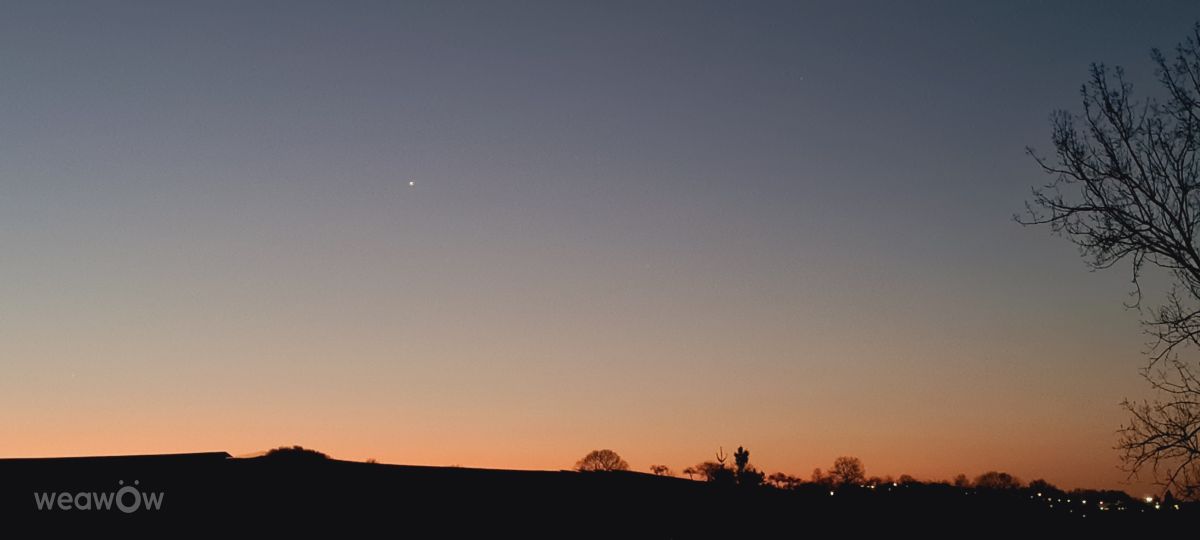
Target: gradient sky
x: 655, y: 227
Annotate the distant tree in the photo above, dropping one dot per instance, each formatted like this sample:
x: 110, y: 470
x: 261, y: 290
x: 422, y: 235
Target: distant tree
x: 712, y: 471
x: 1127, y: 188
x: 906, y: 479
x: 372, y: 461
x: 847, y: 470
x: 961, y: 481
x: 741, y: 458
x: 751, y: 477
x: 818, y: 477
x: 295, y: 453
x: 661, y: 470
x: 745, y: 473
x: 601, y: 460
x: 997, y: 481
x: 715, y: 472
x: 691, y: 471
x: 785, y: 481
x: 1045, y: 488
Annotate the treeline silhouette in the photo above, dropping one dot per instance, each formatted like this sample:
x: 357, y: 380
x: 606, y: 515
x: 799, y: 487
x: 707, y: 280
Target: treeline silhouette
x: 846, y: 491
x: 291, y: 487
x: 848, y: 475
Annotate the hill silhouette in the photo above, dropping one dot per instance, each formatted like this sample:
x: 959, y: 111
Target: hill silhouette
x: 292, y: 488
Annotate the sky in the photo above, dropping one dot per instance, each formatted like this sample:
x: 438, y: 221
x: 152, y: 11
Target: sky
x: 657, y: 227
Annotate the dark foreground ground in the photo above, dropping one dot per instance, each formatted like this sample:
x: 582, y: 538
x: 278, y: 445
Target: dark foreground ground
x: 215, y: 493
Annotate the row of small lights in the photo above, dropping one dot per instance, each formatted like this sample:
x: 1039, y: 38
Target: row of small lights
x: 868, y: 486
x: 1101, y: 504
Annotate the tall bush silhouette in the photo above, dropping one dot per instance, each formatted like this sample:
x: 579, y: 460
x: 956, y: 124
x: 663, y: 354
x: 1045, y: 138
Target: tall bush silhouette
x: 745, y: 474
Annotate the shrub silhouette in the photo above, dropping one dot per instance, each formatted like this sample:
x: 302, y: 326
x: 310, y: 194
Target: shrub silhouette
x: 784, y: 481
x: 715, y: 472
x: 296, y: 452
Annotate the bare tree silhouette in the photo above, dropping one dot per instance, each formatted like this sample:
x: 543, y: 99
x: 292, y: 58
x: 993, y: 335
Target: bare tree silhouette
x: 847, y: 470
x: 601, y: 460
x: 1127, y: 187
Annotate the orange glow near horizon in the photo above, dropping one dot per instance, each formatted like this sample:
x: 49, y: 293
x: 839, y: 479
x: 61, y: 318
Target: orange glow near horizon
x: 547, y: 418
